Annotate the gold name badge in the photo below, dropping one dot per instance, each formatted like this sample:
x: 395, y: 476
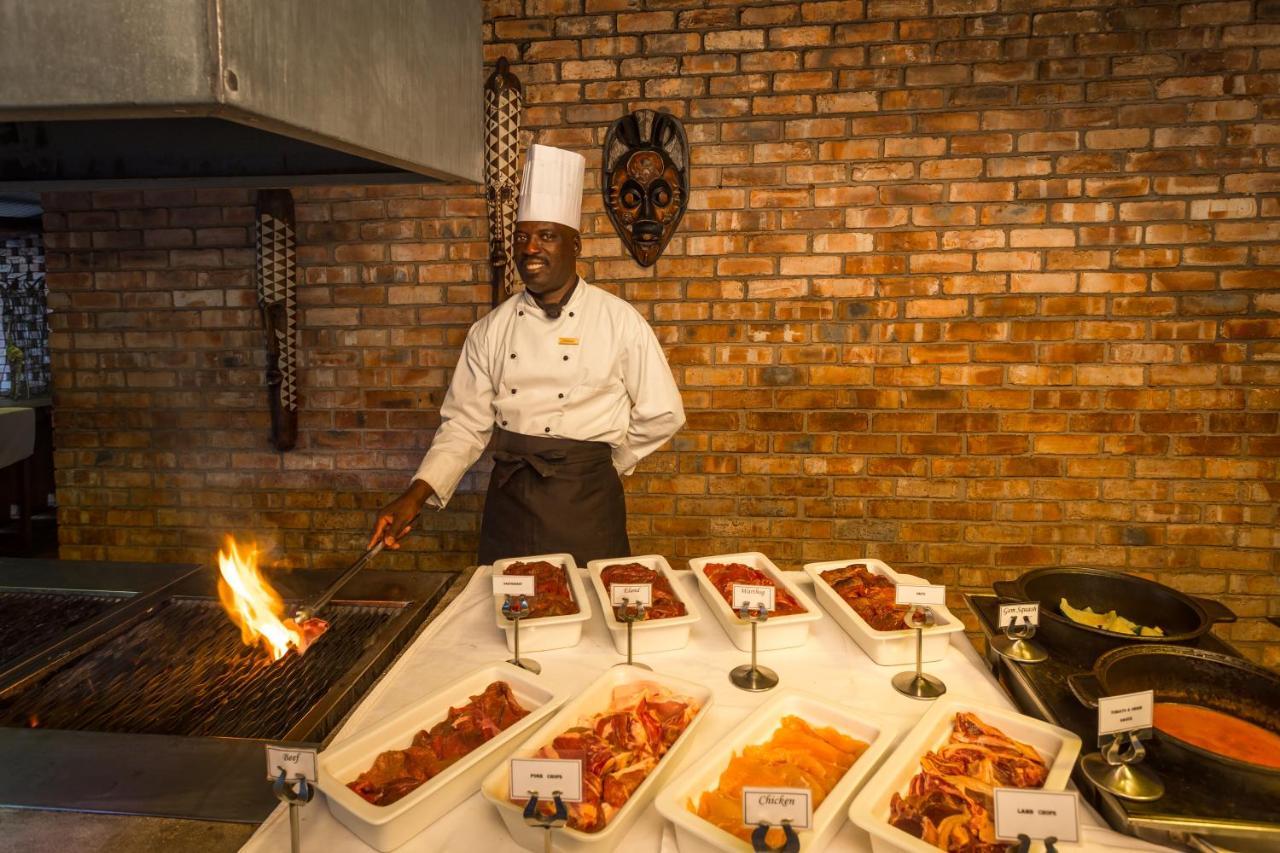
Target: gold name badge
x: 568, y: 342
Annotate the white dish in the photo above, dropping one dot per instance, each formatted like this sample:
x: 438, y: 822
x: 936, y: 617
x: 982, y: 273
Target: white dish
x: 870, y: 810
x: 696, y: 835
x: 546, y: 632
x: 778, y: 632
x: 659, y: 635
x: 887, y: 648
x: 387, y: 827
x: 594, y: 699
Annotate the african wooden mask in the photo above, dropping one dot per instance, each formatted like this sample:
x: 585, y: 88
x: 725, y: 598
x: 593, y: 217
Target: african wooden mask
x: 646, y: 181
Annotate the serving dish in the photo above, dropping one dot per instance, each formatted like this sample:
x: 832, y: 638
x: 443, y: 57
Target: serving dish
x: 1058, y: 748
x: 387, y: 827
x: 1184, y: 618
x: 697, y: 835
x: 658, y: 635
x: 541, y: 633
x: 886, y: 648
x: 594, y: 698
x: 778, y: 632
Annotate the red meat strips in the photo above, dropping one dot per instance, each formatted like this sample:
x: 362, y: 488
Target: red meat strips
x: 870, y: 595
x: 665, y: 604
x: 552, y: 596
x: 724, y: 575
x: 397, y: 772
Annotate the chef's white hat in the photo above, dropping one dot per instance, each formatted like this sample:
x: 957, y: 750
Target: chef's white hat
x: 552, y: 188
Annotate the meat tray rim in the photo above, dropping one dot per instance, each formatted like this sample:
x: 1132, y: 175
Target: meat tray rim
x: 664, y: 634
x: 779, y: 632
x: 543, y: 633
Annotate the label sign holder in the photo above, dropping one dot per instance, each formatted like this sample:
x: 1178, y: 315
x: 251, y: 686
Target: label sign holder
x: 788, y: 808
x: 631, y: 610
x: 514, y: 585
x: 516, y: 608
x: 1018, y: 621
x: 919, y: 684
x: 1027, y: 814
x: 753, y: 678
x: 1123, y: 722
x: 288, y: 767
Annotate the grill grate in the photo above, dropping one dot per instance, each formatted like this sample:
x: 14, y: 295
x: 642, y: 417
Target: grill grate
x: 28, y: 620
x: 184, y: 671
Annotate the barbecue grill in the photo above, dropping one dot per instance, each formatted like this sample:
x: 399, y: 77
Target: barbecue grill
x: 127, y: 690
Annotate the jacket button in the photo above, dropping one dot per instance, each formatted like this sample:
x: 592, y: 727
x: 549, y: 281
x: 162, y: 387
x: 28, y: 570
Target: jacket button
x: 548, y: 429
x: 513, y: 390
x: 570, y: 313
x: 562, y: 396
x: 566, y: 358
x: 521, y: 313
x: 504, y: 423
x: 513, y: 355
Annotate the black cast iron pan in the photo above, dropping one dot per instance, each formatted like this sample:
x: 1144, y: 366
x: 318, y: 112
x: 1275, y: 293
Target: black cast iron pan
x: 1194, y: 677
x: 1184, y: 618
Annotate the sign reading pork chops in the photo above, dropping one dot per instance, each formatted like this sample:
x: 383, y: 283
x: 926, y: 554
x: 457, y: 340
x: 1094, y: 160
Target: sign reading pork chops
x: 398, y: 771
x: 552, y: 596
x: 665, y: 604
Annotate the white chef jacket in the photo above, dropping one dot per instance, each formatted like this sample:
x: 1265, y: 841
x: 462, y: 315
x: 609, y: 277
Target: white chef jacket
x: 595, y: 373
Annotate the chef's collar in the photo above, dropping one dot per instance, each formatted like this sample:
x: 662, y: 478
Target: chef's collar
x: 554, y: 311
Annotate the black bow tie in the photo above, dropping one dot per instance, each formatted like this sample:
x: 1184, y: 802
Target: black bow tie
x: 555, y: 309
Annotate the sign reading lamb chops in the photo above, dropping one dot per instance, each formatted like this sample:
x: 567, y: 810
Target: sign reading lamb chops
x: 551, y: 587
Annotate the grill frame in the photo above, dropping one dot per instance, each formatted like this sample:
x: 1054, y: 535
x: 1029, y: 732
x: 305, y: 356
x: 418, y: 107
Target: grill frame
x: 202, y: 777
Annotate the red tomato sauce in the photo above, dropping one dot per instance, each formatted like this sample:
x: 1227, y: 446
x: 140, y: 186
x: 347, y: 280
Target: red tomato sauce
x: 1219, y: 733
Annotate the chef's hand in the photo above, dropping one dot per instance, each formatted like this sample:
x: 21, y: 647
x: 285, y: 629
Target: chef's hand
x: 396, y: 518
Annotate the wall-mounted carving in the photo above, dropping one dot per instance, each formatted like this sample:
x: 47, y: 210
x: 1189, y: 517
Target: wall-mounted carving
x: 276, y: 277
x: 646, y: 181
x: 503, y: 98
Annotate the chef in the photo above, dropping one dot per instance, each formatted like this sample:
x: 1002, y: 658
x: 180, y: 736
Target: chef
x: 567, y: 379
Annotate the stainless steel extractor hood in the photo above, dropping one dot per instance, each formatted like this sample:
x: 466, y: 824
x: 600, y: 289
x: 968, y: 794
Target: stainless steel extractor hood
x: 238, y: 92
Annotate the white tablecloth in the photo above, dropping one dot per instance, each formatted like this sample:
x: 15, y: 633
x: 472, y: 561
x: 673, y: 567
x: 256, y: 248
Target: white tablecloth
x: 464, y: 637
x: 17, y: 434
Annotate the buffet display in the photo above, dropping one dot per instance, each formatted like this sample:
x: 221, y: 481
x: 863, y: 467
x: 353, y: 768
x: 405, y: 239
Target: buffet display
x: 628, y: 728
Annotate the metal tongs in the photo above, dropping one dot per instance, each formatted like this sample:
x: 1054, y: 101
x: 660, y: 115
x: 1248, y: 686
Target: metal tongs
x: 306, y: 618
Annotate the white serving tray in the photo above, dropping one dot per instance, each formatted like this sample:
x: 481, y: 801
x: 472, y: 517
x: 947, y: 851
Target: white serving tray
x: 659, y: 635
x: 870, y: 810
x: 887, y: 648
x: 778, y: 632
x: 593, y: 699
x: 387, y: 827
x: 546, y: 632
x: 696, y: 835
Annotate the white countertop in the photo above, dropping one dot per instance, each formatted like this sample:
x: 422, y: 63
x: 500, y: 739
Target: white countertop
x: 464, y: 637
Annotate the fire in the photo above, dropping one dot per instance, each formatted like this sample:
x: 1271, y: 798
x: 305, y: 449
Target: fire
x: 251, y: 602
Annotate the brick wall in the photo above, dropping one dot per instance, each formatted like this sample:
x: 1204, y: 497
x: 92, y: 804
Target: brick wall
x: 969, y: 286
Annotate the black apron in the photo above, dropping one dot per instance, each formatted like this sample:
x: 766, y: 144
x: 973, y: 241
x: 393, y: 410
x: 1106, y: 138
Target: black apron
x: 550, y: 496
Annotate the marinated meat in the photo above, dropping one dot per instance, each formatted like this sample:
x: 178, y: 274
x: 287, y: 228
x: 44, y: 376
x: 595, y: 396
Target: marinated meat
x: 552, y: 596
x: 870, y: 595
x: 796, y: 756
x: 949, y: 802
x: 397, y: 772
x: 618, y: 748
x: 665, y: 604
x: 724, y: 575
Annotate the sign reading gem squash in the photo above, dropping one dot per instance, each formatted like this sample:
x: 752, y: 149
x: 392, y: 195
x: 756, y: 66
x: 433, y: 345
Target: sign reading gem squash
x: 1027, y: 613
x: 513, y: 585
x: 774, y: 805
x: 752, y: 596
x: 546, y: 776
x: 297, y: 763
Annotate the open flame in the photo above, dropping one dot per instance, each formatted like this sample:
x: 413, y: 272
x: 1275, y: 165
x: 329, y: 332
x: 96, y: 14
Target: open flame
x: 251, y: 602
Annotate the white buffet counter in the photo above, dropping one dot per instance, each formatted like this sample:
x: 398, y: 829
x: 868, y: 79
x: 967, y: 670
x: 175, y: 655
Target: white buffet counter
x: 464, y: 637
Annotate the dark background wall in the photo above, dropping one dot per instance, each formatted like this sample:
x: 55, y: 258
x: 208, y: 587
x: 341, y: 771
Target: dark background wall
x: 969, y: 286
